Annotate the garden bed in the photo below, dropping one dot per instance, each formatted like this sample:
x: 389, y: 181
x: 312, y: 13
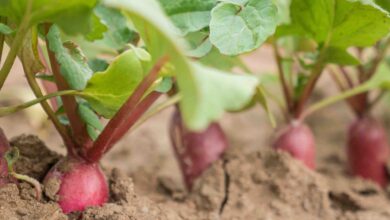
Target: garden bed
x: 248, y: 183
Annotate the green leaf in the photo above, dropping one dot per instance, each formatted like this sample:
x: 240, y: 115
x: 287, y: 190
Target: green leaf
x: 300, y: 86
x: 358, y: 24
x: 97, y: 65
x: 61, y: 109
x: 288, y: 30
x: 6, y: 30
x: 221, y: 91
x: 94, y: 126
x: 340, y: 56
x: 314, y: 18
x: 141, y: 53
x: 202, y: 50
x: 226, y: 63
x: 239, y: 29
x: 89, y: 116
x: 172, y: 7
x: 191, y: 21
x: 189, y: 15
x: 74, y: 67
x: 11, y: 156
x: 93, y: 134
x: 64, y: 13
x: 165, y: 85
x: 283, y: 11
x: 385, y: 4
x: 119, y: 33
x: 236, y: 2
x: 381, y: 79
x: 200, y: 44
x: 115, y: 40
x: 207, y: 93
x: 107, y: 91
x: 340, y: 23
x: 98, y: 29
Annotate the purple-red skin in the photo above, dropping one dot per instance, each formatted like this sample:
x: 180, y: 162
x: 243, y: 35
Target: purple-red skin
x: 4, y: 147
x: 81, y: 184
x: 368, y: 150
x: 3, y: 172
x: 196, y: 151
x: 297, y: 139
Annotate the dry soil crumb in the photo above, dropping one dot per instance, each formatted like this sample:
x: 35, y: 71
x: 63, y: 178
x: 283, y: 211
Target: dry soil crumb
x: 14, y: 206
x: 35, y: 158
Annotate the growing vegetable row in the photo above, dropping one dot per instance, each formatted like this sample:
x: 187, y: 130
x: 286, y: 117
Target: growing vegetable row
x: 113, y: 59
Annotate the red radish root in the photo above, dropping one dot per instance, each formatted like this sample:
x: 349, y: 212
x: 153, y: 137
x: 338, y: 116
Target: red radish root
x: 76, y: 185
x: 196, y: 151
x: 4, y: 147
x: 4, y: 177
x: 298, y: 140
x: 368, y: 150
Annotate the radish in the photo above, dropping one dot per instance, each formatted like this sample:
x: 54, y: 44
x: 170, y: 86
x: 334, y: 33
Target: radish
x: 196, y: 151
x: 77, y: 184
x: 367, y: 143
x: 4, y: 147
x: 3, y: 172
x: 298, y: 140
x: 368, y: 150
x: 298, y: 74
x: 77, y: 181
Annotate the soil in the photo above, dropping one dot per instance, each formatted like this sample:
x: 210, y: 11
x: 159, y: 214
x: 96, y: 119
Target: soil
x: 261, y: 184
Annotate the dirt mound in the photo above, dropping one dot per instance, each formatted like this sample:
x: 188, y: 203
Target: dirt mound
x: 259, y: 185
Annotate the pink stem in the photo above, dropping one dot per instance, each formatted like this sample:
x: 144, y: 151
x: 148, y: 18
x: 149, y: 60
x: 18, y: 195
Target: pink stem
x: 79, y: 129
x: 127, y: 115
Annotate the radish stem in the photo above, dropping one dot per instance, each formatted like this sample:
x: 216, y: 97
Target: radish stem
x: 16, y: 45
x: 157, y: 109
x: 124, y: 118
x: 11, y: 156
x: 334, y: 99
x: 68, y: 141
x: 32, y: 181
x: 78, y: 126
x: 12, y: 109
x: 287, y: 91
x: 2, y: 37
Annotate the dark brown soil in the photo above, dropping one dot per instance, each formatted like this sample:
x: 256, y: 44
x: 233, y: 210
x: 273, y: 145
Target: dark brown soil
x: 261, y: 184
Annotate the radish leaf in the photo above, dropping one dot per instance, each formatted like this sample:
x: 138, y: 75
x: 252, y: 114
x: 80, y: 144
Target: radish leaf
x: 4, y: 29
x: 64, y: 13
x: 189, y: 15
x: 97, y: 30
x: 207, y: 92
x: 381, y: 79
x: 237, y: 29
x: 236, y: 2
x: 202, y: 50
x: 219, y: 61
x: 119, y: 34
x: 385, y: 4
x: 74, y: 67
x: 340, y: 23
x: 91, y: 119
x: 340, y: 56
x: 107, y: 91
